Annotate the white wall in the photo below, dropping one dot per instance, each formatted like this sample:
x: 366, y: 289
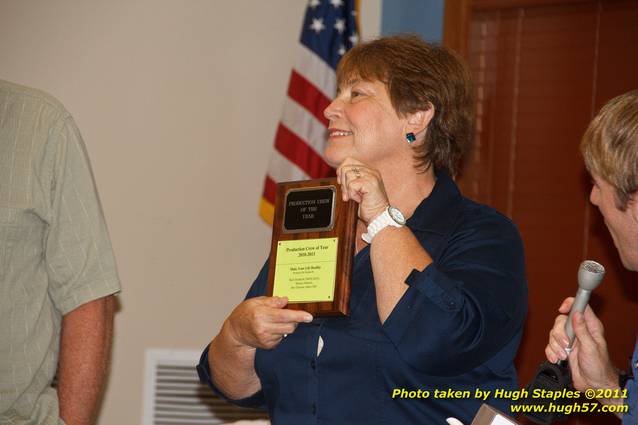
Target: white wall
x: 178, y: 103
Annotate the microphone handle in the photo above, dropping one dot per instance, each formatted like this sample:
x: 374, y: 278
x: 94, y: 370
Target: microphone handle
x: 580, y: 302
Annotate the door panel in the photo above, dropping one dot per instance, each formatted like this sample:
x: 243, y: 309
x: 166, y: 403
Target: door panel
x: 542, y: 71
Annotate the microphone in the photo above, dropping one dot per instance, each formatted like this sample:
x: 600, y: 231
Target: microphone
x: 590, y: 274
x: 556, y: 376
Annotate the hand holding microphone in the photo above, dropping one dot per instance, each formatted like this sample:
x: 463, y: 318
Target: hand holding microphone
x: 556, y: 375
x: 561, y: 337
x: 589, y: 360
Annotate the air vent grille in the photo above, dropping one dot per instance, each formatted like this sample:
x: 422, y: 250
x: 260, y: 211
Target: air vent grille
x: 174, y: 395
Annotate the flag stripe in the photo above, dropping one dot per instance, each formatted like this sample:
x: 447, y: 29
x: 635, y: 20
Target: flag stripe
x: 297, y: 151
x: 270, y: 190
x: 281, y: 169
x: 315, y: 70
x: 304, y: 125
x: 308, y: 96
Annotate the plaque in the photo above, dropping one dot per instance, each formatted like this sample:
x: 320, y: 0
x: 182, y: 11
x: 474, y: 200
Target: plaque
x: 313, y: 238
x: 487, y: 415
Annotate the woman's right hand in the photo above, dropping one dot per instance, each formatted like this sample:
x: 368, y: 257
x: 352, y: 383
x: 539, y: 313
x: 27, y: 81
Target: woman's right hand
x: 263, y: 322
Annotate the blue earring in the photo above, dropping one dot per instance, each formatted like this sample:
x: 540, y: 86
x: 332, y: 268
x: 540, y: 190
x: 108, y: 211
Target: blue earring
x: 410, y: 137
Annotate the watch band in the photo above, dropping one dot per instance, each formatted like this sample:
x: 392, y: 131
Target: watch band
x: 382, y: 221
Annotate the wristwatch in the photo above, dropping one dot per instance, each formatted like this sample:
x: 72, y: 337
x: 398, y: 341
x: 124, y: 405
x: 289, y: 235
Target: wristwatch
x: 390, y: 217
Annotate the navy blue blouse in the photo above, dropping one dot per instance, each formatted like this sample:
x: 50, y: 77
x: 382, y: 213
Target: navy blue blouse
x: 457, y: 328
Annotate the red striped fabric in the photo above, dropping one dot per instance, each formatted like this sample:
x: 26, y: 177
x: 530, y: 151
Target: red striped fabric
x: 307, y: 95
x: 297, y: 151
x: 328, y: 31
x: 270, y: 188
x: 296, y: 157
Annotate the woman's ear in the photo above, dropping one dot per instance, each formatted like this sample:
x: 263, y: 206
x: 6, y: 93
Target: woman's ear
x: 418, y: 121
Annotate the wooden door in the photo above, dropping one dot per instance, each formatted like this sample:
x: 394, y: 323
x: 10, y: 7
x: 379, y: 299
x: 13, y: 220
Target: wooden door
x: 542, y: 70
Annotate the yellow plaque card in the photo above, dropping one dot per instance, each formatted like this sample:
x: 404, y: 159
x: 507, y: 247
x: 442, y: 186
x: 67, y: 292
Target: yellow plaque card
x: 312, y: 247
x: 305, y: 270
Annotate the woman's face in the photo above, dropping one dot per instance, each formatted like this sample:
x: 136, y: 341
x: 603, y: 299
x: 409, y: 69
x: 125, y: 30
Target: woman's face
x: 363, y: 124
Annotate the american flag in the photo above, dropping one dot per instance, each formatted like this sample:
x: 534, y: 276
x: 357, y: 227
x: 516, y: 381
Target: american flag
x: 329, y: 30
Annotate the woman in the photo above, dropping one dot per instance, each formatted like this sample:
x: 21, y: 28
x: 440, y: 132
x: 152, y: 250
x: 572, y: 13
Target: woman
x: 437, y: 302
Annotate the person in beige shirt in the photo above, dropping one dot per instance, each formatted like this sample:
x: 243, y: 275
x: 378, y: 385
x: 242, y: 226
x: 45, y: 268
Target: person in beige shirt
x: 57, y: 269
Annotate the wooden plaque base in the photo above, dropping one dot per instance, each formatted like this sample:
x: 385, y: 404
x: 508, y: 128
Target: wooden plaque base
x: 298, y: 218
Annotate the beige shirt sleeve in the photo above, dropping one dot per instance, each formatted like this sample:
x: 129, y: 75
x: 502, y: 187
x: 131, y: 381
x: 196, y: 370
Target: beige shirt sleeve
x: 78, y: 251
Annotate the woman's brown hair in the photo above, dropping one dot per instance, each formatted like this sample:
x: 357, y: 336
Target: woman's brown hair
x: 418, y: 76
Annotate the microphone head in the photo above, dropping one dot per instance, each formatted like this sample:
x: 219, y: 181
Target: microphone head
x: 590, y: 274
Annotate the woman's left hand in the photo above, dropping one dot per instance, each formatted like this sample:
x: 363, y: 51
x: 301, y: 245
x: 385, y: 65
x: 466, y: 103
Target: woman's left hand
x: 364, y: 185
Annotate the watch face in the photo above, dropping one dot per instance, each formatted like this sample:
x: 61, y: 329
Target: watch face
x: 396, y: 215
